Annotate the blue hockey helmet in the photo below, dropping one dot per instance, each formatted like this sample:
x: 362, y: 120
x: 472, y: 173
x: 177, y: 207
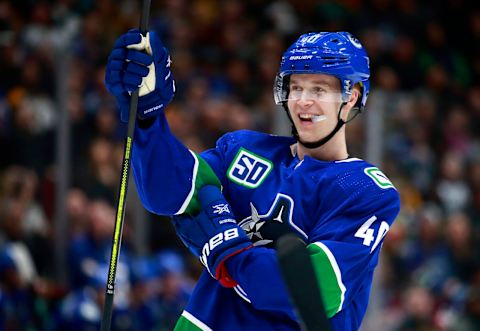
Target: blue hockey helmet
x: 339, y: 54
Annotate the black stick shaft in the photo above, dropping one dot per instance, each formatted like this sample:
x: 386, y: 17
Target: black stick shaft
x: 122, y: 194
x: 299, y: 275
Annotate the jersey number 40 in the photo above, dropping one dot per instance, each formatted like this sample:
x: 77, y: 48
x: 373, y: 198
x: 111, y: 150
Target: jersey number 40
x: 367, y: 233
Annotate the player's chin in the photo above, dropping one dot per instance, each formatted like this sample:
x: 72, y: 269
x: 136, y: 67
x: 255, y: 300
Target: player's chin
x: 308, y: 137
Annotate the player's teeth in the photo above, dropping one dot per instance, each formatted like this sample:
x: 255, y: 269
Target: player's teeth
x: 313, y: 118
x: 318, y: 118
x: 305, y: 116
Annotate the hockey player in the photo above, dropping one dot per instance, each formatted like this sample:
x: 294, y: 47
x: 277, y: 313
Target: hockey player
x: 342, y: 207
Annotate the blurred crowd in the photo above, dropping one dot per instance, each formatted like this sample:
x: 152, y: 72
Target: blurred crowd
x: 425, y: 86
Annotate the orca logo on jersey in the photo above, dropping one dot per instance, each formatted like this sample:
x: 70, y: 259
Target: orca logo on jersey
x: 264, y: 230
x: 249, y: 169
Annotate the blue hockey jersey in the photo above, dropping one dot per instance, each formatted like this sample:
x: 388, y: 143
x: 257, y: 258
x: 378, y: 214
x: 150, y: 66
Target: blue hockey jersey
x: 342, y: 209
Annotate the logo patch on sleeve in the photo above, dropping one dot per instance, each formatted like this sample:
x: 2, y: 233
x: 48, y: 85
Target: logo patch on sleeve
x: 249, y: 169
x: 379, y: 178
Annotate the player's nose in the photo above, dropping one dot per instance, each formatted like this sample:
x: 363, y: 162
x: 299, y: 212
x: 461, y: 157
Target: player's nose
x: 305, y: 101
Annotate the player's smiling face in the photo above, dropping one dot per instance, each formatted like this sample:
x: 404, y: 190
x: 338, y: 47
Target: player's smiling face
x: 313, y: 102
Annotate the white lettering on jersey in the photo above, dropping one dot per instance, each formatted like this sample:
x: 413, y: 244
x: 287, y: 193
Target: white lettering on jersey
x: 367, y: 233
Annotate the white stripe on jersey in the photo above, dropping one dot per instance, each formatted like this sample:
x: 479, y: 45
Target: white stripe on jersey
x: 336, y: 269
x: 352, y: 159
x: 241, y: 293
x: 192, y: 189
x: 195, y: 321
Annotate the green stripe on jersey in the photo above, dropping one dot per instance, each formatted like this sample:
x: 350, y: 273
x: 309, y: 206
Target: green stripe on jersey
x: 204, y: 176
x: 328, y: 276
x: 188, y: 322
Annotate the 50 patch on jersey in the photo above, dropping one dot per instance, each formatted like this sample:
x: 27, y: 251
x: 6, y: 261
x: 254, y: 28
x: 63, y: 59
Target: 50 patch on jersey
x: 249, y: 169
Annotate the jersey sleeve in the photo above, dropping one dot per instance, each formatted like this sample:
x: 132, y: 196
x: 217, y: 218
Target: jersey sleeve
x: 167, y: 174
x: 345, y: 244
x: 215, y: 157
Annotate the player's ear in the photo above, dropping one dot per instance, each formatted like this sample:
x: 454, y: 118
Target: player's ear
x: 356, y: 94
x: 352, y: 100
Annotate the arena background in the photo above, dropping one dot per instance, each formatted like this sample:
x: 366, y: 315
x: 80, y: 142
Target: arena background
x: 61, y: 148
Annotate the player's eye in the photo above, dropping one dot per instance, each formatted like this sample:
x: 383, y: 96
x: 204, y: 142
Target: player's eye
x: 317, y: 90
x: 295, y: 92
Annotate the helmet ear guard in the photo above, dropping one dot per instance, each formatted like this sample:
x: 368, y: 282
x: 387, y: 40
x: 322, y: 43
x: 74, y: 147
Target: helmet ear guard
x: 362, y: 98
x: 364, y: 91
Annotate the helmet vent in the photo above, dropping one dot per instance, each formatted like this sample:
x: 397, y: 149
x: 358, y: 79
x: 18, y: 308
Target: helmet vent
x: 334, y: 59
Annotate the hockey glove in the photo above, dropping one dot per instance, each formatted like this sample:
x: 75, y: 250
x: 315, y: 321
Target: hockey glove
x: 213, y: 235
x: 138, y: 61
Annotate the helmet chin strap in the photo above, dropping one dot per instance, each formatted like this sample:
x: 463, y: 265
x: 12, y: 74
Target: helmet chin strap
x: 321, y: 142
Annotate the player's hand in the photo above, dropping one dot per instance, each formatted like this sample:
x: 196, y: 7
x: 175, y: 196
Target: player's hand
x: 213, y: 235
x: 140, y: 62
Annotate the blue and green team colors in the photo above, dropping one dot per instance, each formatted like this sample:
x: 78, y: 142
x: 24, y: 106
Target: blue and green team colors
x: 342, y: 209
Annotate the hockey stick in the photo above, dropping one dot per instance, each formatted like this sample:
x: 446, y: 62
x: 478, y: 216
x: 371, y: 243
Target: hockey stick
x: 122, y: 194
x: 299, y: 276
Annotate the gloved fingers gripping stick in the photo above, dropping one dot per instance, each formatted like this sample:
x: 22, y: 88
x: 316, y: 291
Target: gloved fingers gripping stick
x: 140, y: 62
